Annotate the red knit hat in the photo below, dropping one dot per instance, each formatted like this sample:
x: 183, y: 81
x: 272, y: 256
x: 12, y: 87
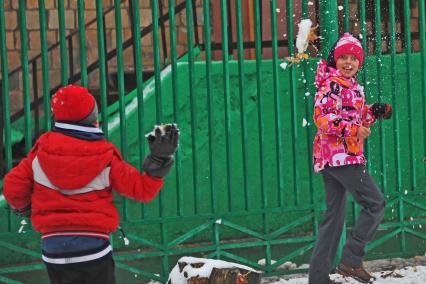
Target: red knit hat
x: 348, y: 44
x: 74, y: 104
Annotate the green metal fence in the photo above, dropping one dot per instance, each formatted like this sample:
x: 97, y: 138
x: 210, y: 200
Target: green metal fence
x: 243, y: 187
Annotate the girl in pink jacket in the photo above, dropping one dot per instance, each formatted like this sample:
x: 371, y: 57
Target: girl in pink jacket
x: 343, y: 119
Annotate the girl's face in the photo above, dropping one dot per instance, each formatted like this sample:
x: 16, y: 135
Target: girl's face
x: 348, y: 65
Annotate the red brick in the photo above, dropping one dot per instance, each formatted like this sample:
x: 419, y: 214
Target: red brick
x: 17, y: 40
x: 49, y: 4
x: 11, y: 20
x: 33, y: 21
x: 52, y: 37
x: 34, y: 40
x: 32, y: 4
x: 14, y: 59
x: 10, y: 40
x: 145, y: 16
x: 53, y: 19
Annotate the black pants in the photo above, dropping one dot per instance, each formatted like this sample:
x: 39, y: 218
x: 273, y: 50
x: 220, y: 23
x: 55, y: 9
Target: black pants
x: 338, y: 181
x: 99, y: 271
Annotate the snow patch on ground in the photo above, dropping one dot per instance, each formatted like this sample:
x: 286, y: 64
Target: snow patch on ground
x: 410, y: 275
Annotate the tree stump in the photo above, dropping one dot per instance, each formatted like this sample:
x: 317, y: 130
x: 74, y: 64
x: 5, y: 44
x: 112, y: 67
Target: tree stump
x: 191, y: 270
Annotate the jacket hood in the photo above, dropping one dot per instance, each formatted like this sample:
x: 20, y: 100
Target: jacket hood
x: 71, y: 163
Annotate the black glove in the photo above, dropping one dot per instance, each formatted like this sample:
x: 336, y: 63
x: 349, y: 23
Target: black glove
x: 24, y: 212
x: 381, y: 110
x: 163, y: 144
x: 164, y: 141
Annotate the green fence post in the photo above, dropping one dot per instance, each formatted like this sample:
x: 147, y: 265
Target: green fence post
x: 379, y: 60
x: 330, y: 33
x: 82, y: 38
x: 227, y: 97
x: 329, y: 26
x: 25, y: 75
x: 244, y: 131
x: 44, y: 65
x: 5, y: 93
x: 208, y: 60
x: 293, y: 94
x: 277, y: 105
x: 102, y: 66
x: 63, y: 43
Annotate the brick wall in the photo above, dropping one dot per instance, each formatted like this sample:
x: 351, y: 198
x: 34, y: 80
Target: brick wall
x: 13, y: 40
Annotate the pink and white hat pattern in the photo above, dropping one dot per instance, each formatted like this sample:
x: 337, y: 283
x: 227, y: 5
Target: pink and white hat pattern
x: 348, y: 44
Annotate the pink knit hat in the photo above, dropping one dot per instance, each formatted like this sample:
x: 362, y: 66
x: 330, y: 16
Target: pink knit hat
x: 348, y: 44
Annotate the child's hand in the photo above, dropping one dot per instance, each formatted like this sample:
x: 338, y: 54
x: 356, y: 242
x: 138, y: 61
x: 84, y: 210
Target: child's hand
x: 363, y: 132
x: 164, y: 141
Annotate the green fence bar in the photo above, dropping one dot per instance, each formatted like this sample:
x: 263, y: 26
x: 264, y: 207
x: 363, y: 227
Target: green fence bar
x: 82, y: 38
x: 329, y: 25
x: 208, y: 60
x: 25, y: 76
x: 176, y: 116
x: 63, y: 43
x: 121, y: 91
x: 309, y: 102
x: 5, y: 93
x: 395, y: 115
x: 159, y: 115
x: 261, y: 126
x: 157, y: 68
x: 277, y: 106
x: 191, y: 80
x: 423, y: 56
x: 139, y: 79
x: 346, y: 12
x: 293, y: 94
x: 363, y: 35
x: 244, y: 139
x: 100, y: 25
x: 44, y: 65
x: 412, y: 149
x: 379, y: 59
x: 139, y: 86
x: 259, y: 98
x: 227, y: 96
x: 120, y: 78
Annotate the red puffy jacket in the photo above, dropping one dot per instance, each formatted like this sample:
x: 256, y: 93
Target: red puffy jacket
x: 69, y: 181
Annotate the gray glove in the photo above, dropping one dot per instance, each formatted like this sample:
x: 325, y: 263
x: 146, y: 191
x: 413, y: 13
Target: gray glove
x: 163, y: 142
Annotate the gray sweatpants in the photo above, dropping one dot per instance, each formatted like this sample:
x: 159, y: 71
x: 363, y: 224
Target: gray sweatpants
x: 339, y: 180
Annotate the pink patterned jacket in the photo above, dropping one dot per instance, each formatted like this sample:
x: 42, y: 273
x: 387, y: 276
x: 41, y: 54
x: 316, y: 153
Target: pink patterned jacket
x: 339, y: 110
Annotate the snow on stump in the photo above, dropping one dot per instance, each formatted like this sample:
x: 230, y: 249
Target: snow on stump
x: 192, y: 270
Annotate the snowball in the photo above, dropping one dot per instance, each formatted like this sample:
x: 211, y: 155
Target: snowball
x: 284, y: 65
x: 302, y: 36
x: 126, y: 241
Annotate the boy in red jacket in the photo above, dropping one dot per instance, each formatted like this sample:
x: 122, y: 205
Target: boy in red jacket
x: 65, y: 185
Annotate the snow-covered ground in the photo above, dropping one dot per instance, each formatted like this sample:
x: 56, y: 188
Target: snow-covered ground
x: 408, y: 275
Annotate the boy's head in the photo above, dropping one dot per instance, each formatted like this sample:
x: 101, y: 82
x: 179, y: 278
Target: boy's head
x: 74, y: 104
x: 347, y: 55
